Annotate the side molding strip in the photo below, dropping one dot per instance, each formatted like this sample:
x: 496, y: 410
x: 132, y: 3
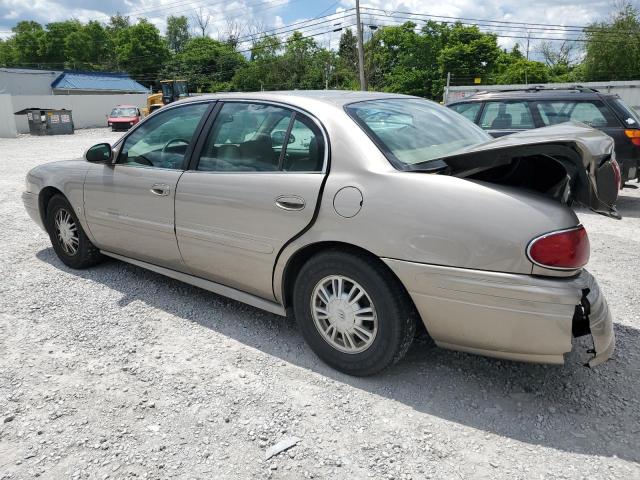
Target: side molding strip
x: 206, y: 285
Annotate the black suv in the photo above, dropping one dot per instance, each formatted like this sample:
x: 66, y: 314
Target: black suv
x: 502, y: 112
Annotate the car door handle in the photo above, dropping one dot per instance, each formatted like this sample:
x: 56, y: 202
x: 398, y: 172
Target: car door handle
x: 160, y: 189
x: 290, y: 202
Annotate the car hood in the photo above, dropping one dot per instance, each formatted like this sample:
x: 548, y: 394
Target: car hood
x: 586, y: 154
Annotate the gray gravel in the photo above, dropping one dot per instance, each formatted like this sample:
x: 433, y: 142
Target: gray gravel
x: 116, y: 372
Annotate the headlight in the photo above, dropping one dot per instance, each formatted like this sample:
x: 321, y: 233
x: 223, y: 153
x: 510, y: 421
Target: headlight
x: 131, y: 124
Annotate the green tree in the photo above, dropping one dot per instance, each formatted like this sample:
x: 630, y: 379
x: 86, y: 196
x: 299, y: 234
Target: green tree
x: 613, y: 47
x: 468, y: 53
x: 207, y: 64
x: 140, y: 51
x: 522, y: 71
x: 89, y: 48
x: 27, y: 42
x: 177, y: 33
x: 7, y: 52
x: 53, y: 42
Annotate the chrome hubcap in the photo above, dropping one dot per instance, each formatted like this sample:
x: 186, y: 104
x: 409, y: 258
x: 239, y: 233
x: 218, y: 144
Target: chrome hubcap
x: 67, y: 232
x: 344, y: 314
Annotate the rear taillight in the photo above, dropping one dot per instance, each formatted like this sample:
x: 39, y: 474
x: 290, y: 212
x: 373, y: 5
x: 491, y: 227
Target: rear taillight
x: 561, y: 250
x: 634, y: 136
x: 616, y: 173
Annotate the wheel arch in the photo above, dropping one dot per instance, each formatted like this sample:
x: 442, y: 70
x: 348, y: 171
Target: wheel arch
x: 298, y: 259
x: 44, y: 197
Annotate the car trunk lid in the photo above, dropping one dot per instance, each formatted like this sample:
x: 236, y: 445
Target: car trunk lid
x: 570, y: 162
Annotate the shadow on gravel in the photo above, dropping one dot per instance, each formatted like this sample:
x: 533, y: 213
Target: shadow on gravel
x: 627, y: 206
x: 571, y: 408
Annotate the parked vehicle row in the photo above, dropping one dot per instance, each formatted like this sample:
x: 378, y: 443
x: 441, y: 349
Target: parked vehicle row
x: 508, y: 111
x: 358, y: 213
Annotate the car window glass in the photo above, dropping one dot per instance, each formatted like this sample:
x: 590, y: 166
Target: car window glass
x: 305, y: 148
x: 413, y: 131
x: 468, y: 110
x: 245, y: 137
x: 631, y: 118
x: 162, y: 140
x: 593, y: 113
x: 506, y: 116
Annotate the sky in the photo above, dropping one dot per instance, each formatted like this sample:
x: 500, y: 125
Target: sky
x: 262, y: 15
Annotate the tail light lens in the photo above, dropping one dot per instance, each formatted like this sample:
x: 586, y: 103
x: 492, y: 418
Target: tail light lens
x: 634, y: 135
x: 561, y: 250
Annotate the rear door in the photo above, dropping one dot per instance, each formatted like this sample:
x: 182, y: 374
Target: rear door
x: 505, y: 117
x: 253, y: 185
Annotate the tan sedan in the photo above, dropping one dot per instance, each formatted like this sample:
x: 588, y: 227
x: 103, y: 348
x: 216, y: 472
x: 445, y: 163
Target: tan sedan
x: 359, y: 213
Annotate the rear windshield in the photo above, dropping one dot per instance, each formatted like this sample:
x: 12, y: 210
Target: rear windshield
x: 411, y: 131
x: 124, y: 112
x: 631, y: 118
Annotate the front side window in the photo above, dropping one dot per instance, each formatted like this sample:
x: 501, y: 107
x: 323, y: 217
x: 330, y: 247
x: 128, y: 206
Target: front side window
x: 467, y: 110
x: 163, y: 139
x: 506, y: 116
x: 255, y: 137
x: 411, y: 131
x: 593, y: 113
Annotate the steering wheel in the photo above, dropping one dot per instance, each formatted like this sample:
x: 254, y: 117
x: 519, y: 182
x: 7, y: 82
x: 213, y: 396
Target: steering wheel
x: 170, y: 142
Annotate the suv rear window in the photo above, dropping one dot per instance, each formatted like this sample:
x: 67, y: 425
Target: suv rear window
x: 506, y: 116
x: 593, y: 112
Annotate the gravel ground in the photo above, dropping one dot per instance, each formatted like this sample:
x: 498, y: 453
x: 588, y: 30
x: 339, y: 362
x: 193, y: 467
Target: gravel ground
x: 116, y: 372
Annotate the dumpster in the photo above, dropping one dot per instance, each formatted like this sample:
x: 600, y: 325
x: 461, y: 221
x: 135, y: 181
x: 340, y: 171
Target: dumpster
x: 48, y: 121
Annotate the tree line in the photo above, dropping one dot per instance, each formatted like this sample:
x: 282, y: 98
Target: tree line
x: 401, y: 58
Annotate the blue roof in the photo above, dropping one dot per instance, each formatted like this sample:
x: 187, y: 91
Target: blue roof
x: 98, y: 81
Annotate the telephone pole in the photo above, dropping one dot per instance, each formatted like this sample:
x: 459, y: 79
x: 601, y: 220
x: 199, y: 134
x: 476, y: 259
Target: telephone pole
x: 363, y: 85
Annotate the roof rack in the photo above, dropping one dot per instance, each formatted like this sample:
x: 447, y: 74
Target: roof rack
x: 538, y: 88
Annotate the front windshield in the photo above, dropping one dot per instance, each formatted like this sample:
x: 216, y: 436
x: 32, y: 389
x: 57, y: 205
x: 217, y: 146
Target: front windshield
x: 123, y: 112
x: 412, y: 131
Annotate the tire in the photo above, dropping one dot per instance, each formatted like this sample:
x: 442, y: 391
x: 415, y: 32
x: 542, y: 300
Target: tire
x: 77, y: 254
x: 394, y: 326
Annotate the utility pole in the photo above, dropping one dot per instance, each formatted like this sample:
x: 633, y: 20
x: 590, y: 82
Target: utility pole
x: 526, y: 80
x: 363, y: 85
x: 446, y: 89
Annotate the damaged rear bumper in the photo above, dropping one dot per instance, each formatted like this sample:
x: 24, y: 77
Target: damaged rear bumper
x: 510, y: 316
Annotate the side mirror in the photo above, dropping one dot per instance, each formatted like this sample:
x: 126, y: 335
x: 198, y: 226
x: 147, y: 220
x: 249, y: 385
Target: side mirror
x: 100, y: 153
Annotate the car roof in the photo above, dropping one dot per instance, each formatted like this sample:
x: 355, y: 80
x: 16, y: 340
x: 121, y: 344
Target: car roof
x: 535, y: 94
x: 125, y: 106
x: 302, y: 98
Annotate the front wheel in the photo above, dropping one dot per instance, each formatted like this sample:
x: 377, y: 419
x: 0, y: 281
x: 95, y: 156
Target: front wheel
x: 68, y: 239
x: 353, y: 312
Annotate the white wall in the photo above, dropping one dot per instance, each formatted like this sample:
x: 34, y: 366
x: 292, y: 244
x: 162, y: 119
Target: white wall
x: 87, y: 110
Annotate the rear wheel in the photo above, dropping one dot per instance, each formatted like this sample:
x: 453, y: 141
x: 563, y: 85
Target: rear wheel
x: 68, y: 239
x: 354, y: 314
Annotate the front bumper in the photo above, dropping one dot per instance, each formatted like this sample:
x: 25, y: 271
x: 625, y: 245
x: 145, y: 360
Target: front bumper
x: 510, y: 316
x: 30, y: 201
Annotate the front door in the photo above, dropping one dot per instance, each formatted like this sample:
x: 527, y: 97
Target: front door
x: 255, y: 186
x: 129, y: 206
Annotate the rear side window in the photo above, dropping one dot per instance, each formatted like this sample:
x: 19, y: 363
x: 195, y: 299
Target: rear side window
x: 506, y: 116
x: 468, y: 110
x: 593, y: 113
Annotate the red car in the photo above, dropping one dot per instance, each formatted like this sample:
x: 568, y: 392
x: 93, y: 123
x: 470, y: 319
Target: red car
x: 123, y: 117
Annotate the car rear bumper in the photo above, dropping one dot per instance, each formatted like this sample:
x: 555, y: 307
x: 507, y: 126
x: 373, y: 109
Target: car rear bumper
x: 30, y: 201
x: 510, y: 316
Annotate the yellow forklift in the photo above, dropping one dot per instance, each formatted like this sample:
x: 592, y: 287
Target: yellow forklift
x: 171, y: 90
